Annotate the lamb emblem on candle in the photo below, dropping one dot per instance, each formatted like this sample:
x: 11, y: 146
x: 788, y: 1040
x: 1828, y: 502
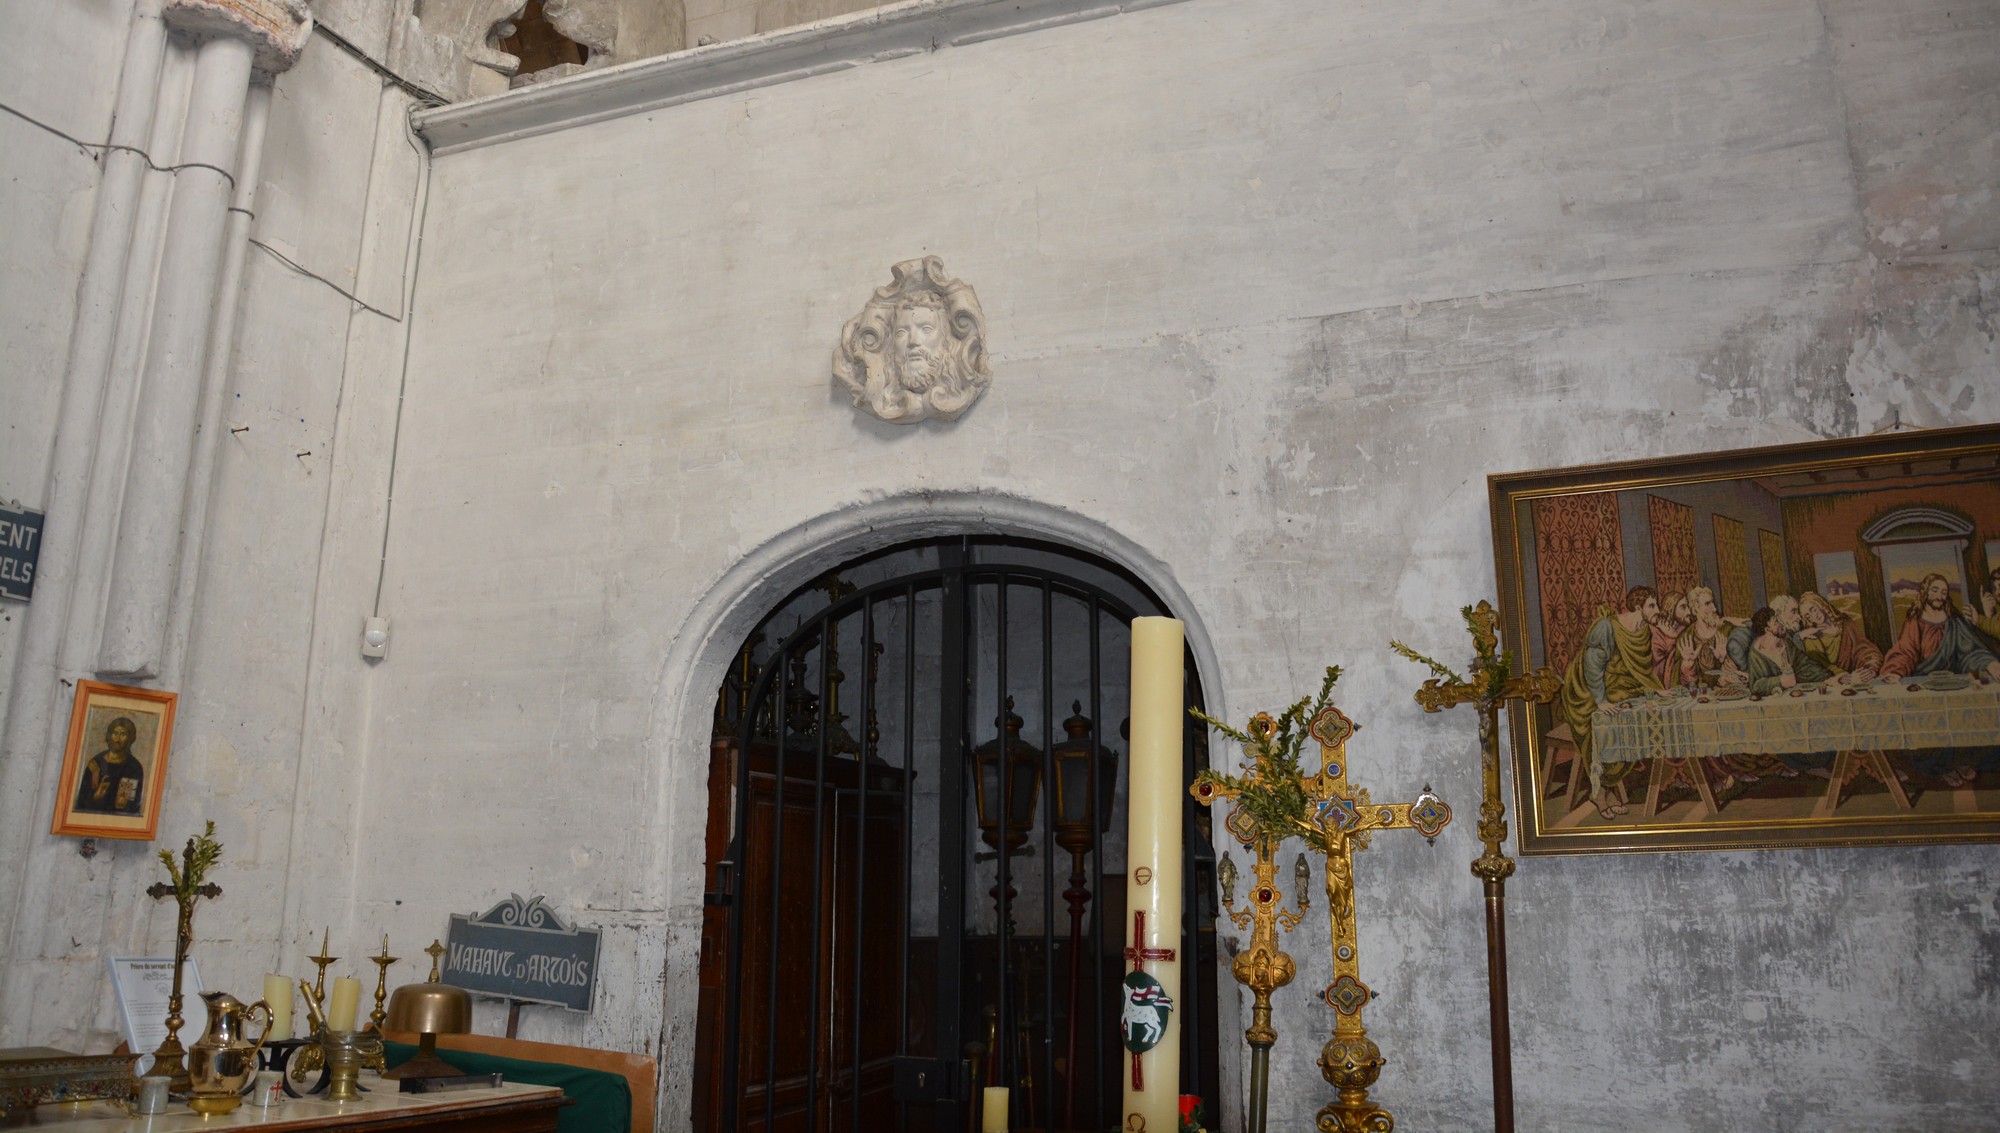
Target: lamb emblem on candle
x: 1147, y: 1009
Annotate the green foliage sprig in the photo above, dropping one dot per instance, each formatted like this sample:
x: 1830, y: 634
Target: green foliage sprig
x: 1438, y: 668
x: 188, y: 876
x: 1491, y: 665
x: 1268, y: 792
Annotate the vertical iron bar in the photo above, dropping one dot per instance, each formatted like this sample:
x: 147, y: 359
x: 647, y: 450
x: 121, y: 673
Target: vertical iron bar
x: 1097, y: 906
x: 909, y: 805
x: 953, y: 744
x: 732, y: 1024
x: 858, y: 932
x: 827, y: 663
x: 777, y: 872
x: 1003, y: 1002
x: 1048, y: 1090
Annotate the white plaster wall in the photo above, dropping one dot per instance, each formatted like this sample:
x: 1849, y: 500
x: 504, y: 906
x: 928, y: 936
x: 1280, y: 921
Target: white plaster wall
x: 48, y: 187
x: 724, y: 20
x: 1271, y: 288
x: 336, y: 192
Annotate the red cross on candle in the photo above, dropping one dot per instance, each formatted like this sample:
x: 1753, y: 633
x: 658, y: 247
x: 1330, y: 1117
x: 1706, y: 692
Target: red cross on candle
x: 1138, y: 954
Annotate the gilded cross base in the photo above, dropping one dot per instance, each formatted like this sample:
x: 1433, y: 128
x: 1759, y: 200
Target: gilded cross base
x: 1352, y: 1065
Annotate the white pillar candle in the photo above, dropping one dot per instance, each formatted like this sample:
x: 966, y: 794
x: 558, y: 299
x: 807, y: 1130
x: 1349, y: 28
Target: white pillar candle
x: 278, y: 997
x: 1153, y: 865
x: 994, y: 1116
x: 346, y: 1002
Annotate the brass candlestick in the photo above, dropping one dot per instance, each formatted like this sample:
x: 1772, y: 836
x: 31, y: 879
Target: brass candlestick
x: 312, y: 1057
x: 376, y: 1016
x: 1488, y: 690
x: 324, y: 961
x: 170, y: 1059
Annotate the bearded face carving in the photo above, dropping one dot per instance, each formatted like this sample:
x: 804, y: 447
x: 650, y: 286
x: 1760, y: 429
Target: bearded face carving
x: 917, y: 350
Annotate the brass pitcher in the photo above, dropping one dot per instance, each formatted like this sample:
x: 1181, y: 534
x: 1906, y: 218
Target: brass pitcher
x: 222, y: 1064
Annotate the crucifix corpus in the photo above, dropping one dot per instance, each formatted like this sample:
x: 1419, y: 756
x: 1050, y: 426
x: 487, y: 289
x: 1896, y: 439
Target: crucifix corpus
x: 1488, y: 689
x: 1275, y: 800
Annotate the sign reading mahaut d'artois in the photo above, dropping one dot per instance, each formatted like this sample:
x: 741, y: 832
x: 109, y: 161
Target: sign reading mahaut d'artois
x: 521, y: 950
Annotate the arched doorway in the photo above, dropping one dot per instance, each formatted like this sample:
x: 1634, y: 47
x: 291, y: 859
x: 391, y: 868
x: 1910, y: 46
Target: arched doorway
x: 915, y: 843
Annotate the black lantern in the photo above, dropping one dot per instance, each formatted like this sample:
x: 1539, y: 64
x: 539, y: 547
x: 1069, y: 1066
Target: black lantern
x: 1081, y: 813
x: 1023, y: 780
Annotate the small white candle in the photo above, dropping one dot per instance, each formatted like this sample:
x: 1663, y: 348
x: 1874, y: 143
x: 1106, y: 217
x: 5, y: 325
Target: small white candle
x: 995, y: 1116
x: 278, y: 996
x: 346, y: 1003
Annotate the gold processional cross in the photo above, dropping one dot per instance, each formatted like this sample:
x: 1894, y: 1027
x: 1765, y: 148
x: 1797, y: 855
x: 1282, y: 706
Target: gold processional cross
x: 1339, y: 822
x: 1490, y: 688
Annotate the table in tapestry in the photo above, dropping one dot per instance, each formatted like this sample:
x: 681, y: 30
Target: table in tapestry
x: 1887, y: 717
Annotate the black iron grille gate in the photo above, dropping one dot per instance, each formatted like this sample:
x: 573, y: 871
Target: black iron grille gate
x: 922, y: 807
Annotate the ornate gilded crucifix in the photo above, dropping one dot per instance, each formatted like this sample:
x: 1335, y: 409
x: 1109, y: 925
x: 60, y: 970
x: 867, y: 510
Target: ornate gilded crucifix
x: 1345, y: 818
x: 186, y: 882
x: 1489, y: 689
x: 1275, y: 800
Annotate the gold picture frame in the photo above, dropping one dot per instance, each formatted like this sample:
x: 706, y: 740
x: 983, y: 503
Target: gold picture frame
x: 1813, y: 666
x: 115, y: 791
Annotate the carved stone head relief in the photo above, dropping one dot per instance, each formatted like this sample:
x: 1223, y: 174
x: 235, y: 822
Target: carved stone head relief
x: 917, y: 350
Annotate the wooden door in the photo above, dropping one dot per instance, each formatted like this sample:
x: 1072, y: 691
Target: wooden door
x: 812, y: 1024
x: 865, y: 924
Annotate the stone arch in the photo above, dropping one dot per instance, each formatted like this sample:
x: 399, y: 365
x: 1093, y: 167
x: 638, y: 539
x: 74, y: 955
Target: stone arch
x: 737, y: 600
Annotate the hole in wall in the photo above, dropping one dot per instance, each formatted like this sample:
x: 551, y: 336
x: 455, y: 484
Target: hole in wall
x: 531, y: 38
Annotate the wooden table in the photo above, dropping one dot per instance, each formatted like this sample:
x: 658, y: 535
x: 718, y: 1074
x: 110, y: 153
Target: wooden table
x: 510, y: 1108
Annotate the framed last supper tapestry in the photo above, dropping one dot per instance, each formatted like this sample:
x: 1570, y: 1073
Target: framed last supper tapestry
x: 1782, y: 646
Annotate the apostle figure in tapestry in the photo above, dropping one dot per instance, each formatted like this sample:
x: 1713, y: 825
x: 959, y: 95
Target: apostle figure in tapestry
x: 1615, y: 665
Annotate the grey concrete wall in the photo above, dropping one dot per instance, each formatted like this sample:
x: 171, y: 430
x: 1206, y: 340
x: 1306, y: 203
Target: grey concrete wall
x: 1272, y: 288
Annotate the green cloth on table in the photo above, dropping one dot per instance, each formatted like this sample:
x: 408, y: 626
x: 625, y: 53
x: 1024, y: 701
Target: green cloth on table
x: 603, y: 1101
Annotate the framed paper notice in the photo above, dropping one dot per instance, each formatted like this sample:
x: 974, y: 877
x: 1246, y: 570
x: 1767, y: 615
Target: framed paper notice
x: 143, y: 985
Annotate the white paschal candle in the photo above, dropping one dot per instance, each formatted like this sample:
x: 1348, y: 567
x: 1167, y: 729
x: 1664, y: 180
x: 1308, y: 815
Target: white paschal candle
x: 993, y: 1114
x: 278, y: 997
x: 344, y: 1005
x: 1153, y: 862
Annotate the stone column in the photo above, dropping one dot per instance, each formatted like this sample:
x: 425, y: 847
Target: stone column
x: 40, y: 875
x: 233, y: 35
